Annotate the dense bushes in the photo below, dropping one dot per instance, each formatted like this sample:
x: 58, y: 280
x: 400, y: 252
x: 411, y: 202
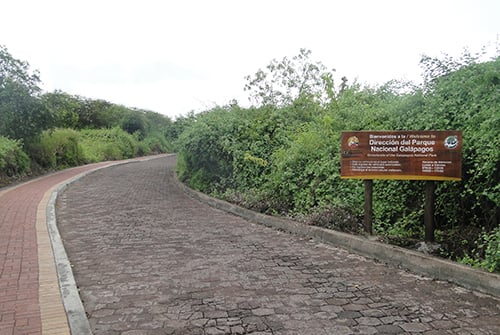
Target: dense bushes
x: 108, y: 144
x: 486, y: 251
x: 283, y: 155
x: 207, y: 160
x: 154, y: 143
x: 13, y: 160
x: 58, y: 148
x: 57, y: 130
x: 62, y: 147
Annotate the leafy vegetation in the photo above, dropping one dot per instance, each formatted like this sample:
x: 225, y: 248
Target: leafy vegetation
x: 47, y: 131
x: 108, y: 144
x: 282, y: 155
x: 486, y: 251
x: 57, y: 148
x: 13, y: 160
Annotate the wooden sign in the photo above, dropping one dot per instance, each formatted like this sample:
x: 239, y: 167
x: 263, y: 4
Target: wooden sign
x: 405, y: 155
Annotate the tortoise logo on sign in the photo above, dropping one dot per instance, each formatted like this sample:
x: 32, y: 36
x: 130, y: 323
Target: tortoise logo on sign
x: 451, y: 142
x: 353, y: 142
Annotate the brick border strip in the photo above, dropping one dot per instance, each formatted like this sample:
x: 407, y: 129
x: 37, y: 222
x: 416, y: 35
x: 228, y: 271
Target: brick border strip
x: 52, y: 313
x: 75, y: 312
x: 441, y: 269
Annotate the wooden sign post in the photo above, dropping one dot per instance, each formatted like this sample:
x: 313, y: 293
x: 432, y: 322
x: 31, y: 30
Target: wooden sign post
x: 403, y: 155
x: 368, y: 208
x: 430, y: 186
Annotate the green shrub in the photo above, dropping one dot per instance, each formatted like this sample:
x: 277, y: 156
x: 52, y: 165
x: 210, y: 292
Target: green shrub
x: 155, y: 143
x: 486, y: 253
x: 205, y: 153
x: 285, y: 158
x: 108, y: 144
x: 13, y: 160
x: 57, y: 149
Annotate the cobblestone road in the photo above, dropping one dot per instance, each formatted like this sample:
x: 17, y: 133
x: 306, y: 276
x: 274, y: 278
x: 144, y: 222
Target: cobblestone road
x: 150, y: 260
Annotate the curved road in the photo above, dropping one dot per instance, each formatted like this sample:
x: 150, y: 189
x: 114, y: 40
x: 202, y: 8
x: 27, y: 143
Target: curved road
x: 148, y: 259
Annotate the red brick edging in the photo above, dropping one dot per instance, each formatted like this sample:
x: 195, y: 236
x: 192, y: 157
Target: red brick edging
x: 30, y: 300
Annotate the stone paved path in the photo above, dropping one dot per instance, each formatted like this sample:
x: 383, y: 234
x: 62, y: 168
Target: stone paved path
x: 150, y: 260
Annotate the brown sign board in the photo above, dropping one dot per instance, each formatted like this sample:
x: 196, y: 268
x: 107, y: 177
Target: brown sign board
x: 404, y: 155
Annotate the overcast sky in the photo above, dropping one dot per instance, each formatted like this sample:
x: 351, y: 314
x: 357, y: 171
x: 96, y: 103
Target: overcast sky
x: 176, y: 56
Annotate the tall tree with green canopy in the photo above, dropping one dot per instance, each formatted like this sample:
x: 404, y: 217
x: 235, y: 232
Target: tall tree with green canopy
x: 285, y: 81
x: 64, y: 107
x: 22, y: 114
x: 18, y: 71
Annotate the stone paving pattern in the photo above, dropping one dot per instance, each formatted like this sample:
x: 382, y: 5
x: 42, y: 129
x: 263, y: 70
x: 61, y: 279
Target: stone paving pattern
x: 148, y: 259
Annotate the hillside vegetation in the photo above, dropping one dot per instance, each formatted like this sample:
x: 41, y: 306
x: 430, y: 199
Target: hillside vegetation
x: 282, y: 155
x: 48, y: 131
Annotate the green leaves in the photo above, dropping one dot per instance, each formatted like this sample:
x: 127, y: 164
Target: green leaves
x: 205, y: 149
x: 283, y: 156
x: 59, y: 130
x: 486, y: 252
x: 22, y: 115
x: 58, y: 149
x: 13, y: 160
x: 17, y: 71
x: 285, y: 81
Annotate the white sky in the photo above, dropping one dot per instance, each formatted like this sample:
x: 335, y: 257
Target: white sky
x: 176, y: 56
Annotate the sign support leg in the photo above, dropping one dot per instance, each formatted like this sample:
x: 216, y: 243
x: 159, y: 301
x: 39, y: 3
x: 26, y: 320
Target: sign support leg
x: 368, y: 206
x: 430, y: 186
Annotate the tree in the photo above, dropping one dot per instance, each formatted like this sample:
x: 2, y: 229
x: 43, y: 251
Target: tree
x: 22, y: 114
x: 98, y: 113
x: 438, y: 68
x: 134, y: 122
x: 289, y: 79
x: 157, y: 121
x: 18, y: 71
x: 64, y: 107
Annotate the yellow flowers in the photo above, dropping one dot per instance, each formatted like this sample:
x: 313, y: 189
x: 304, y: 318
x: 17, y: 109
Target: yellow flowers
x: 259, y: 161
